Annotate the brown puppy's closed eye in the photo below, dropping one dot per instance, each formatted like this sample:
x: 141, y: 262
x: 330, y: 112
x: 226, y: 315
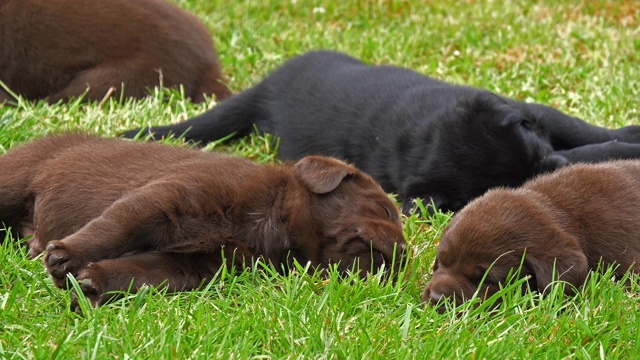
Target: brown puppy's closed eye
x: 111, y: 212
x: 568, y: 221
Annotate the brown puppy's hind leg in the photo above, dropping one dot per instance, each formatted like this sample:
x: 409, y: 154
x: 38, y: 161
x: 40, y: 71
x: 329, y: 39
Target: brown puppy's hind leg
x: 16, y: 201
x: 18, y: 169
x: 106, y: 80
x: 138, y: 77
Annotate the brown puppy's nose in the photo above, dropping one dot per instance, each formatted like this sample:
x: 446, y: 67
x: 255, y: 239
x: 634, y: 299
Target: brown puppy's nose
x: 435, y: 297
x: 440, y: 287
x: 432, y: 296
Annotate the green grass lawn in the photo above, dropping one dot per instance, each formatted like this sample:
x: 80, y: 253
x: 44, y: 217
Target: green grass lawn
x: 582, y: 57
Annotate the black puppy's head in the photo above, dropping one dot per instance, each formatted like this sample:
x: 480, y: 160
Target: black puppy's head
x: 481, y: 143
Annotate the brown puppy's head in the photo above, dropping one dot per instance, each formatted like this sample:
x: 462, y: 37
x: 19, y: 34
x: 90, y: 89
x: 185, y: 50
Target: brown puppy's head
x: 491, y: 235
x: 345, y: 218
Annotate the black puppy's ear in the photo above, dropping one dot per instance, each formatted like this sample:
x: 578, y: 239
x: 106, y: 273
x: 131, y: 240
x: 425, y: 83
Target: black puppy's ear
x: 506, y: 113
x: 322, y: 174
x: 519, y: 117
x: 564, y: 261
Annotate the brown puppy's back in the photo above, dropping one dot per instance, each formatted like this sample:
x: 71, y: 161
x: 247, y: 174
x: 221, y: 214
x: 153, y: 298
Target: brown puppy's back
x: 51, y: 168
x: 56, y: 48
x: 602, y: 203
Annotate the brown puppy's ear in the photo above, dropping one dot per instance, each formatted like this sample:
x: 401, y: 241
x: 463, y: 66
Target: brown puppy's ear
x: 322, y: 174
x: 568, y: 260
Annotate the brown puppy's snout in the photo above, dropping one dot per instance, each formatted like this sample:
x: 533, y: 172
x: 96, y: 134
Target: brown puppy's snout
x: 388, y: 260
x: 440, y: 288
x: 431, y: 295
x: 368, y: 248
x: 387, y: 245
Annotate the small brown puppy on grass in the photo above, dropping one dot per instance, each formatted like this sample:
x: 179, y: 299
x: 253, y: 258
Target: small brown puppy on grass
x: 56, y: 49
x: 569, y: 221
x: 111, y: 212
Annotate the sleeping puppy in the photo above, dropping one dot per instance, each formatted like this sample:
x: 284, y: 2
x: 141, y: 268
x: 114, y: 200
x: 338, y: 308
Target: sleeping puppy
x: 59, y: 49
x: 110, y: 212
x: 568, y: 221
x: 418, y: 137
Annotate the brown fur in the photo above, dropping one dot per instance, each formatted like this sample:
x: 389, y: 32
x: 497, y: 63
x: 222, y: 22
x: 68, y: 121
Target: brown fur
x: 571, y: 219
x: 57, y: 49
x: 113, y: 211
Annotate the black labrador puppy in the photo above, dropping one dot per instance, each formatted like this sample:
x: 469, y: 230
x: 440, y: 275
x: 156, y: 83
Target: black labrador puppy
x: 418, y: 137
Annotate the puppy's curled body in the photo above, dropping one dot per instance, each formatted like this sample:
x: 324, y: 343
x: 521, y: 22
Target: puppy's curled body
x: 103, y: 208
x: 571, y: 220
x: 60, y: 49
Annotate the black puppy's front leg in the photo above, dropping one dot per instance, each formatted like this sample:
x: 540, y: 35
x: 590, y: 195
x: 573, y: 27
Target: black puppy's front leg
x: 567, y: 132
x: 610, y: 150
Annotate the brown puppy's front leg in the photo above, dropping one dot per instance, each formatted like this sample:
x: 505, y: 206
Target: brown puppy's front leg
x: 160, y: 216
x: 172, y: 271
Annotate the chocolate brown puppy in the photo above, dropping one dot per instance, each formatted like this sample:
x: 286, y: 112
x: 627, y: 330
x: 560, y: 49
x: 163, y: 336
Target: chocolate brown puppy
x: 60, y: 49
x: 111, y: 212
x: 569, y: 221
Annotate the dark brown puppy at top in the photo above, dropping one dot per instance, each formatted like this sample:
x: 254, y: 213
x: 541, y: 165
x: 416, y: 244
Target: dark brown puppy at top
x: 569, y: 221
x: 112, y: 211
x: 59, y: 49
x: 418, y: 137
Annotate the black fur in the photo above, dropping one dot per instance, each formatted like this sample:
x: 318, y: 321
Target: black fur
x: 418, y: 137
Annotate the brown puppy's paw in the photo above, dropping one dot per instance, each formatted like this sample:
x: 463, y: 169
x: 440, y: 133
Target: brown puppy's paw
x: 95, y: 285
x: 59, y: 263
x: 91, y: 290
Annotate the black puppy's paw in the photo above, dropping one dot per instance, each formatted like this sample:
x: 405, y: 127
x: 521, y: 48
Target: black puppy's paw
x: 552, y: 162
x: 629, y: 134
x: 60, y: 261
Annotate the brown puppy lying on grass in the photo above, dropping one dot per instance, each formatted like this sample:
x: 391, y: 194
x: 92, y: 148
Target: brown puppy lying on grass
x: 111, y: 212
x: 59, y: 49
x: 569, y: 221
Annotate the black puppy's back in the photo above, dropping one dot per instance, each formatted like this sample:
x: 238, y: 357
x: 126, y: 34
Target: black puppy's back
x: 418, y: 137
x: 298, y: 98
x: 331, y: 104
